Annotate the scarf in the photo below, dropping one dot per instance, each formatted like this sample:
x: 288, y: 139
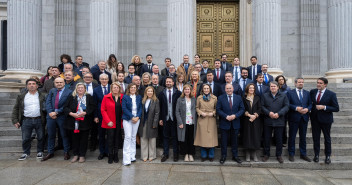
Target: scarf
x: 206, y: 97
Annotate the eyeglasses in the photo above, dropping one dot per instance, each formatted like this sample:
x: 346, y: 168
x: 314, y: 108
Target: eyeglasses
x: 87, y: 77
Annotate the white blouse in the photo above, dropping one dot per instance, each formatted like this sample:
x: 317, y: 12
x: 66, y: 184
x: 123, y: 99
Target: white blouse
x: 189, y: 118
x: 134, y: 105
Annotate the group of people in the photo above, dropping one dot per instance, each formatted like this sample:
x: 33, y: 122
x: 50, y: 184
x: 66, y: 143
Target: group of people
x: 186, y: 105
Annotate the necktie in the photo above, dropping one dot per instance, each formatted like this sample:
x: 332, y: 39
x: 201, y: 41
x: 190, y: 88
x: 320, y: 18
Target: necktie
x: 217, y: 74
x: 230, y: 101
x: 149, y: 68
x: 105, y: 91
x: 253, y: 74
x: 123, y: 89
x: 300, y: 96
x: 169, y: 96
x: 319, y: 96
x: 266, y: 78
x: 236, y: 74
x: 224, y: 66
x: 186, y: 68
x: 244, y: 84
x: 87, y: 85
x: 211, y: 88
x: 260, y: 89
x: 57, y: 98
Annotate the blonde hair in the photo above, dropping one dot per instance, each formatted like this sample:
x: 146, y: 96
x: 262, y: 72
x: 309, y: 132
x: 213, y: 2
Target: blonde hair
x: 183, y: 91
x: 150, y: 78
x: 134, y: 57
x: 114, y: 77
x: 115, y: 84
x: 178, y: 77
x: 74, y: 93
x: 197, y: 76
x: 145, y: 97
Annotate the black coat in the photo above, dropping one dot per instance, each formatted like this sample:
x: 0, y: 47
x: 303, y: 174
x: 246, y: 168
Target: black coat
x: 252, y: 131
x: 163, y: 104
x: 71, y: 106
x: 279, y: 104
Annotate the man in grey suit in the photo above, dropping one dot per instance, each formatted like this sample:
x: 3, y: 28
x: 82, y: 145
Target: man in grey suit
x: 120, y: 79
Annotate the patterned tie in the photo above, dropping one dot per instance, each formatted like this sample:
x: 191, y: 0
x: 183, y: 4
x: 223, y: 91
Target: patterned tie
x: 186, y: 68
x: 57, y: 98
x: 319, y: 96
x: 123, y: 89
x: 169, y: 96
x: 105, y: 91
x: 230, y: 101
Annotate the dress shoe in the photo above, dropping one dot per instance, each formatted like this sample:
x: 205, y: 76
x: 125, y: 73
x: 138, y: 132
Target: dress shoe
x: 175, y: 157
x: 203, y: 159
x: 222, y: 160
x: 327, y: 160
x: 291, y: 158
x: 164, y: 158
x: 237, y: 159
x: 279, y: 158
x: 66, y: 156
x: 101, y: 156
x: 74, y: 159
x: 82, y: 159
x: 265, y: 158
x: 116, y: 158
x: 316, y: 158
x: 48, y: 157
x: 110, y: 158
x: 304, y: 157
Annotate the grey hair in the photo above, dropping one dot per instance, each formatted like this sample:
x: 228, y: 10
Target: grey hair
x: 298, y: 78
x: 103, y: 75
x: 69, y: 64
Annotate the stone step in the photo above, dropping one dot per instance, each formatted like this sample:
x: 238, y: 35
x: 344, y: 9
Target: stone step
x: 10, y: 102
x: 9, y: 95
x: 6, y: 108
x: 343, y: 112
x: 10, y: 131
x: 5, y: 114
x: 342, y: 119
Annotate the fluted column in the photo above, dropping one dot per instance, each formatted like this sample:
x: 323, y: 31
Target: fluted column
x: 180, y: 29
x: 24, y: 36
x: 103, y: 29
x: 267, y: 33
x: 339, y: 39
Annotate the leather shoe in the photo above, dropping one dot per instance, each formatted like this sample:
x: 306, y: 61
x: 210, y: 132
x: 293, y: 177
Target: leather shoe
x: 237, y: 159
x: 164, y: 158
x: 327, y: 160
x: 265, y: 158
x: 316, y: 158
x: 203, y: 159
x: 222, y: 160
x: 279, y: 158
x: 304, y: 157
x: 175, y: 157
x: 211, y: 159
x: 48, y: 157
x: 292, y: 158
x: 101, y: 156
x: 66, y: 156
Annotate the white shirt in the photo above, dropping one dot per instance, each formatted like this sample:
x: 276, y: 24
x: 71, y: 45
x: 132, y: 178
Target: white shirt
x: 189, y: 118
x: 90, y: 88
x: 134, y: 105
x: 322, y: 93
x: 147, y: 102
x: 297, y: 91
x: 31, y: 105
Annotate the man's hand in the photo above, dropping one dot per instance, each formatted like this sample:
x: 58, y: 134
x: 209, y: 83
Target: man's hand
x: 304, y: 111
x: 229, y: 118
x: 271, y: 115
x: 161, y: 123
x: 299, y: 109
x: 320, y: 107
x: 96, y: 120
x: 17, y: 125
x: 180, y: 126
x: 53, y: 115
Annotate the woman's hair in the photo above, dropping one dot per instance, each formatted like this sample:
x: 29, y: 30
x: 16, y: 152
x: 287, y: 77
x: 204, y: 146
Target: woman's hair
x: 134, y: 57
x: 277, y: 78
x: 146, y: 74
x: 66, y: 56
x: 110, y: 62
x: 145, y: 97
x: 115, y: 84
x: 247, y: 89
x: 210, y: 91
x: 197, y: 76
x: 183, y: 91
x: 47, y: 71
x: 74, y: 93
x: 129, y: 87
x: 178, y: 77
x: 123, y: 67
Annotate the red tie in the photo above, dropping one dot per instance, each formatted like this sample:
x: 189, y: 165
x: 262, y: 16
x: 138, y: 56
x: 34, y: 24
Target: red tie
x: 57, y: 98
x: 230, y: 101
x: 319, y: 96
x: 217, y: 74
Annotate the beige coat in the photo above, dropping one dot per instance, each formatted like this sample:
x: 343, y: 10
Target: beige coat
x: 207, y: 131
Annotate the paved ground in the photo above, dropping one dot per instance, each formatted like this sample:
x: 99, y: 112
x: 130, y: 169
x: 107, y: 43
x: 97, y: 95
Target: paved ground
x: 58, y: 171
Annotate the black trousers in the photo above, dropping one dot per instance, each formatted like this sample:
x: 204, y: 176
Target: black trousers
x: 80, y: 142
x: 94, y: 134
x: 317, y: 129
x: 268, y: 130
x: 113, y: 139
x: 187, y: 146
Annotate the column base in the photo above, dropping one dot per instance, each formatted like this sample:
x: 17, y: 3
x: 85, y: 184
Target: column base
x: 275, y: 72
x: 339, y: 75
x: 19, y: 76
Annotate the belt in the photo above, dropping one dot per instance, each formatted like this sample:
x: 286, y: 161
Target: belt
x: 39, y: 117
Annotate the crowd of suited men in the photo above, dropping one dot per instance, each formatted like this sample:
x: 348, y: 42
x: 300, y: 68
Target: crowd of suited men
x: 112, y: 107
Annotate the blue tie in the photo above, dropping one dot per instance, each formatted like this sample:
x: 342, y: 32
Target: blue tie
x: 186, y: 68
x: 300, y: 96
x: 244, y: 84
x: 236, y: 74
x: 266, y: 78
x: 105, y: 91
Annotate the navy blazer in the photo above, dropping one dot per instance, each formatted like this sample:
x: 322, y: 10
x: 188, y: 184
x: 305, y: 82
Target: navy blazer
x: 203, y: 74
x: 259, y: 70
x: 221, y: 79
x: 248, y: 81
x: 216, y: 89
x: 163, y: 104
x: 145, y: 69
x: 228, y: 66
x: 50, y: 101
x: 128, y: 79
x: 293, y: 115
x: 233, y: 73
x: 330, y: 101
x: 265, y: 89
x: 96, y: 75
x: 98, y: 98
x: 236, y: 89
x: 270, y: 78
x: 127, y: 107
x: 223, y: 110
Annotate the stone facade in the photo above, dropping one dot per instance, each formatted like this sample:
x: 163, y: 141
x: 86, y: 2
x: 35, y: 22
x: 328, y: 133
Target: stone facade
x: 306, y: 35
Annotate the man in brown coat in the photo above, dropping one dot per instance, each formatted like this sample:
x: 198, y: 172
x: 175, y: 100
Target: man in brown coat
x: 185, y: 68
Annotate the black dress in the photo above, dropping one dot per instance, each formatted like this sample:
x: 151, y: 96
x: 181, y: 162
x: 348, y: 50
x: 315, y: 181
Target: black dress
x: 252, y: 131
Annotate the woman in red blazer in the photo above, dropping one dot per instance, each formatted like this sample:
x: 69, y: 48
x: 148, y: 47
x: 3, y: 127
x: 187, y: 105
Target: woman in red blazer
x: 111, y: 112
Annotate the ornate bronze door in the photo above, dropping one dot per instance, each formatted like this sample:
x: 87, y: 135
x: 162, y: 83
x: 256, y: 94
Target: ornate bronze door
x: 217, y: 30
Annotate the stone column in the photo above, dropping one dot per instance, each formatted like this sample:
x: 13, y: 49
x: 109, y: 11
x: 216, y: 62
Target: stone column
x: 245, y: 32
x: 24, y: 38
x: 267, y: 34
x: 181, y: 29
x: 103, y: 29
x: 339, y: 40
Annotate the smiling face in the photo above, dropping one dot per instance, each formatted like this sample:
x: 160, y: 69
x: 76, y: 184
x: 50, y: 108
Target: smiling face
x: 321, y: 85
x: 206, y: 89
x: 80, y: 90
x: 133, y: 89
x: 59, y: 83
x: 187, y: 91
x: 115, y: 89
x: 150, y: 93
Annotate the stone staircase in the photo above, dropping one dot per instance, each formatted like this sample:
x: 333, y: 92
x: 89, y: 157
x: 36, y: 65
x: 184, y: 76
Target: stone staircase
x: 341, y: 134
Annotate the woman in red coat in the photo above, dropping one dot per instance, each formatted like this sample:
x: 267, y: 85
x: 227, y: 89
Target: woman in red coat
x: 111, y: 112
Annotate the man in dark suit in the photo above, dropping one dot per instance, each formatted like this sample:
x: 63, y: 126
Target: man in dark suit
x: 260, y: 88
x: 148, y: 67
x: 102, y: 66
x: 168, y: 99
x: 98, y: 95
x: 228, y: 79
x: 131, y: 73
x: 155, y: 71
x: 230, y: 108
x: 204, y: 71
x: 215, y: 88
x: 244, y: 80
x: 275, y: 105
x: 298, y: 117
x: 79, y: 64
x: 225, y: 66
x: 324, y: 104
x: 165, y: 72
x: 55, y: 102
x: 219, y: 73
x: 236, y: 70
x: 254, y: 69
x: 155, y: 83
x: 140, y: 88
x: 267, y: 77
